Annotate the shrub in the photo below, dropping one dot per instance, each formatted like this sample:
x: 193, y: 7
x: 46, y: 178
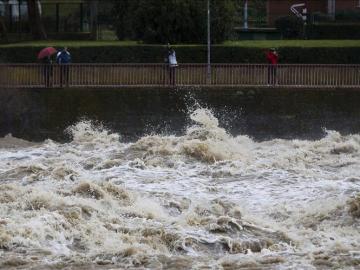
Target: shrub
x: 333, y: 31
x: 348, y: 16
x: 321, y: 17
x: 189, y: 54
x: 290, y: 27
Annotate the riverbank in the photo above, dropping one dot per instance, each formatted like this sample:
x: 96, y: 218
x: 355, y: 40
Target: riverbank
x: 261, y: 113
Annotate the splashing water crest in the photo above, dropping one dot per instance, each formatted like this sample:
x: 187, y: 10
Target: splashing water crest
x: 203, y: 200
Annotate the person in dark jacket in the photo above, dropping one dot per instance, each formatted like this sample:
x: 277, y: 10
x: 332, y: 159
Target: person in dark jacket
x: 272, y: 58
x: 63, y: 58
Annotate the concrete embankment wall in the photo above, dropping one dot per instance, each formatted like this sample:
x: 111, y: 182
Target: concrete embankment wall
x: 38, y: 114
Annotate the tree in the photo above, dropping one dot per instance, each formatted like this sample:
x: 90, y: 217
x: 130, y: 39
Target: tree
x: 181, y: 21
x: 290, y: 27
x: 36, y: 26
x: 122, y: 17
x: 223, y: 19
x: 3, y: 29
x: 94, y: 19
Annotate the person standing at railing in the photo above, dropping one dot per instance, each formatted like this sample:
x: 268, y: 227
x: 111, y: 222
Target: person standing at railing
x: 172, y: 62
x: 63, y: 58
x: 272, y: 58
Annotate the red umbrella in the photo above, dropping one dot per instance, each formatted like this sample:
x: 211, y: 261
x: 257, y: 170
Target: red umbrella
x: 46, y: 52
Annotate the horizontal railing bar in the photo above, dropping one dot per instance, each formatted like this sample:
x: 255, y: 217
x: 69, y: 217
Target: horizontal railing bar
x: 183, y: 64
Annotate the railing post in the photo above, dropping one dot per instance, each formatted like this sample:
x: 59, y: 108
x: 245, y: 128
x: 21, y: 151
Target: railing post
x: 208, y: 44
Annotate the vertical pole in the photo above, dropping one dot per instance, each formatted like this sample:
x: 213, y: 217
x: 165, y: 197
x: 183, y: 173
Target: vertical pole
x: 3, y: 35
x: 35, y: 23
x: 208, y: 44
x: 81, y: 17
x: 304, y: 17
x: 19, y: 10
x: 246, y: 17
x: 10, y: 17
x: 57, y: 7
x: 94, y: 19
x: 268, y: 13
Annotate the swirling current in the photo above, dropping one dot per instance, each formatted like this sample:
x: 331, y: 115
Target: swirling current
x: 204, y: 200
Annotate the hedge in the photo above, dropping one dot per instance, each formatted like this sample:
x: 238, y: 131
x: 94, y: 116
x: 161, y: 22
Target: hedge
x: 189, y: 54
x: 333, y: 31
x: 290, y: 27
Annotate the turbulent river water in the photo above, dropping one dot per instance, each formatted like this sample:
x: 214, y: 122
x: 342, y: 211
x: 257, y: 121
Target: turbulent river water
x: 204, y: 200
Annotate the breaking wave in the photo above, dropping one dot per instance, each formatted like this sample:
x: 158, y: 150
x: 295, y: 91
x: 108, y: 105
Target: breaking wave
x: 206, y: 199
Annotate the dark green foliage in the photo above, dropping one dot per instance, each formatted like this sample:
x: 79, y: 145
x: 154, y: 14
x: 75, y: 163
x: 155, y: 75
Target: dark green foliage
x: 257, y: 14
x: 290, y: 27
x: 345, y: 25
x: 320, y: 17
x: 123, y: 13
x: 343, y: 16
x: 348, y: 16
x: 335, y: 55
x: 174, y: 21
x: 223, y: 17
x: 333, y: 31
x: 190, y: 54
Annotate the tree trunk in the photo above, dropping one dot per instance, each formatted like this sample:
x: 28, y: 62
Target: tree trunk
x: 3, y: 29
x: 94, y: 19
x: 36, y: 26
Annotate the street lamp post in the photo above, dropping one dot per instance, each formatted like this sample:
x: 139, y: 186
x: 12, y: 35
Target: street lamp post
x: 208, y: 44
x: 246, y: 17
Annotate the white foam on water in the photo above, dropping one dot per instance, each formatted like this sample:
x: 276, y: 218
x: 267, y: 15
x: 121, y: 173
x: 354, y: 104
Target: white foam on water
x: 204, y: 199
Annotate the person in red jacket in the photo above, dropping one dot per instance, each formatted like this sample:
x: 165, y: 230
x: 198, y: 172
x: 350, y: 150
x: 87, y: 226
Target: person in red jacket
x: 272, y: 58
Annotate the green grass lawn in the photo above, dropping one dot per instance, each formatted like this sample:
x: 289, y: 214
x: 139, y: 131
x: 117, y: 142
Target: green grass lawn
x: 247, y: 43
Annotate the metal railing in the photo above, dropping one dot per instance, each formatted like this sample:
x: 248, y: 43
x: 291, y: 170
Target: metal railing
x: 124, y: 75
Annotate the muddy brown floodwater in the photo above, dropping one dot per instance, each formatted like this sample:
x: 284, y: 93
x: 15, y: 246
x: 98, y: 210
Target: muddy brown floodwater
x: 203, y: 200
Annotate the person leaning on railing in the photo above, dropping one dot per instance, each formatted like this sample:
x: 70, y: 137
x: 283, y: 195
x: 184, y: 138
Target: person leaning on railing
x: 63, y: 58
x: 272, y: 58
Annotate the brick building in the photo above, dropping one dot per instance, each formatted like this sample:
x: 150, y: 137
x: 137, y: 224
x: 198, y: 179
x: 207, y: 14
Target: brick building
x: 279, y: 8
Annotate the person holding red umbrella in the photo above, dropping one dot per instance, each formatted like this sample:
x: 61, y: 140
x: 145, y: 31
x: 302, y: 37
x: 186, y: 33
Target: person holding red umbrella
x: 45, y: 57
